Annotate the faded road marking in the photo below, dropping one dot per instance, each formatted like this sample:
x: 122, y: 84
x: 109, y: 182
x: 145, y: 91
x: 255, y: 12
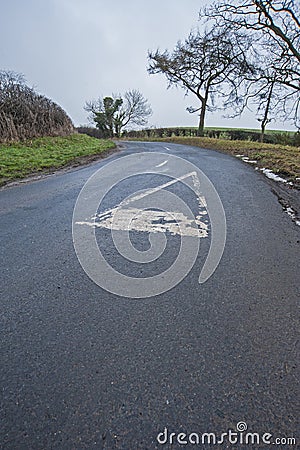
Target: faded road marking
x: 149, y: 220
x: 194, y: 177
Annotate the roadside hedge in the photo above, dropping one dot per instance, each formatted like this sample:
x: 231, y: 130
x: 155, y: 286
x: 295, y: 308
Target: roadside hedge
x: 283, y: 138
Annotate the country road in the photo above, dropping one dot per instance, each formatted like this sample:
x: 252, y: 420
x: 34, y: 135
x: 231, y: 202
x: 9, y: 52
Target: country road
x: 84, y: 368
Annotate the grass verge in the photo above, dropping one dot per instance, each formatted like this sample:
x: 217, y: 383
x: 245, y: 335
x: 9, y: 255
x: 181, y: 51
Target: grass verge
x: 18, y: 160
x: 281, y: 159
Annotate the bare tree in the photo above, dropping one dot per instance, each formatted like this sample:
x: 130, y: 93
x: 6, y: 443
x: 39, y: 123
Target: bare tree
x: 279, y: 19
x: 207, y: 66
x: 261, y: 90
x: 135, y: 110
x: 275, y: 28
x: 112, y: 114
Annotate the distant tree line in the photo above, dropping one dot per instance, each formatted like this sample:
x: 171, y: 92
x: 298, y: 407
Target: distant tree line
x: 25, y: 114
x: 247, y: 57
x: 284, y: 138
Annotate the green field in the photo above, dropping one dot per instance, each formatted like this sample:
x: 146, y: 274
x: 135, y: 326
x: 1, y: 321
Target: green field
x: 18, y: 160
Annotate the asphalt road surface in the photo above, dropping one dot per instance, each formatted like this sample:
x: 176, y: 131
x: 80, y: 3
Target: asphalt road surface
x: 83, y: 368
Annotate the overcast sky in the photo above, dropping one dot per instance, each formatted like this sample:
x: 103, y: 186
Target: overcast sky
x: 77, y: 50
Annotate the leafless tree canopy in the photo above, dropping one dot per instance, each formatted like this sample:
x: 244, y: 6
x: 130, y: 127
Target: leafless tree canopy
x: 248, y: 56
x: 25, y: 114
x: 275, y: 28
x: 136, y: 109
x: 279, y: 19
x: 208, y: 65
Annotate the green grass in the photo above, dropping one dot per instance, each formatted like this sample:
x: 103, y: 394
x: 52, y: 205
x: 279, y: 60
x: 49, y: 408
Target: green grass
x: 18, y: 160
x: 281, y: 159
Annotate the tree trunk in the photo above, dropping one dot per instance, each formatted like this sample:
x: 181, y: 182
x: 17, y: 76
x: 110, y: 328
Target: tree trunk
x: 266, y: 119
x: 203, y: 100
x: 200, y: 131
x: 117, y: 131
x: 262, y: 133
